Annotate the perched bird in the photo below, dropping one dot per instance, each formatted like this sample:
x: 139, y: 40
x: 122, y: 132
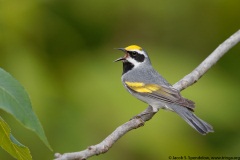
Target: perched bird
x: 146, y: 84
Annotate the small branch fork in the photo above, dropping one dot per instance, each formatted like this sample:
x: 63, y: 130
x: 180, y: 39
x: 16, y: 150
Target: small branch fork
x: 139, y: 121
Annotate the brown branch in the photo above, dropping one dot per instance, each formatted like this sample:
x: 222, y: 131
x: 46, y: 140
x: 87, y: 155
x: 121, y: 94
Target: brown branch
x: 140, y: 119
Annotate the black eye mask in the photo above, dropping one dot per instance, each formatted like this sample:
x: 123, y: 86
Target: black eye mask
x: 135, y: 55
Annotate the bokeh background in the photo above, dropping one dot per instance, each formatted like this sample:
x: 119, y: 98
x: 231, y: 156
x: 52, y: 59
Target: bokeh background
x: 62, y: 53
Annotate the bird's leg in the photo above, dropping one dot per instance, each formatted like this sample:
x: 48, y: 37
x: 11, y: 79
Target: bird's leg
x: 147, y: 114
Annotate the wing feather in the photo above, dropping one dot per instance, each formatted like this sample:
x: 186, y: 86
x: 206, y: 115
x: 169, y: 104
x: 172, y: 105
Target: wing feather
x: 163, y: 93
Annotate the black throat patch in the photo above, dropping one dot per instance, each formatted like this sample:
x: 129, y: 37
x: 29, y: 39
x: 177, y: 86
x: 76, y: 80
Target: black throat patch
x: 127, y: 66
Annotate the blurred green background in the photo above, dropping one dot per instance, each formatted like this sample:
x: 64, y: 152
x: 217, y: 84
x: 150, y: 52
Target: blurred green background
x: 62, y: 53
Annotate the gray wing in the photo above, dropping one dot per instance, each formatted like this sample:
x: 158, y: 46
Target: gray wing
x: 162, y: 93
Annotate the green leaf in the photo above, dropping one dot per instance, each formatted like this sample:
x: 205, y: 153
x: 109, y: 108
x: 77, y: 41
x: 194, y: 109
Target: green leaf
x: 14, y: 100
x: 11, y: 145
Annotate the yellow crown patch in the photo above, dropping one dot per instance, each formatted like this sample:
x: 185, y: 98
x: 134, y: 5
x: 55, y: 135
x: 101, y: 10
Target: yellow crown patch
x: 133, y: 47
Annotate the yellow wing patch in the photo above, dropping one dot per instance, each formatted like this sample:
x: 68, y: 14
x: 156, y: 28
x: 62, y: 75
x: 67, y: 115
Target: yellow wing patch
x: 143, y: 88
x: 163, y: 93
x: 133, y: 47
x: 135, y: 84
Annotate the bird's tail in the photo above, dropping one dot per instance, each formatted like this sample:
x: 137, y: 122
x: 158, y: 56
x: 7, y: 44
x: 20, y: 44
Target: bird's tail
x: 195, y: 122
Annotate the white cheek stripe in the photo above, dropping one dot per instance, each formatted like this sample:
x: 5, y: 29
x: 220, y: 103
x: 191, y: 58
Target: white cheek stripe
x: 133, y: 61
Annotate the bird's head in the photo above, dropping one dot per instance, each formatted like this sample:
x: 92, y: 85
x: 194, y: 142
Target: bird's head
x: 134, y: 55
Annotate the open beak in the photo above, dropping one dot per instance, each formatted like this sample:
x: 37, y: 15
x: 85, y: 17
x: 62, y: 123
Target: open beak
x: 122, y: 58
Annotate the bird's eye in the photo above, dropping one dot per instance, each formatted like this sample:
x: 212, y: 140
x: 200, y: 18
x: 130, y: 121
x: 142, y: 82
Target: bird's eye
x: 134, y: 54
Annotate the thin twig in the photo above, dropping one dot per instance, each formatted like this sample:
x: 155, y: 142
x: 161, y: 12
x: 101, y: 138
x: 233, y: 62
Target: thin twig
x: 137, y: 122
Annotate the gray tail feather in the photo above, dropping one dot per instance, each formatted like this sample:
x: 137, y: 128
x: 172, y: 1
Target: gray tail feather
x: 195, y: 122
